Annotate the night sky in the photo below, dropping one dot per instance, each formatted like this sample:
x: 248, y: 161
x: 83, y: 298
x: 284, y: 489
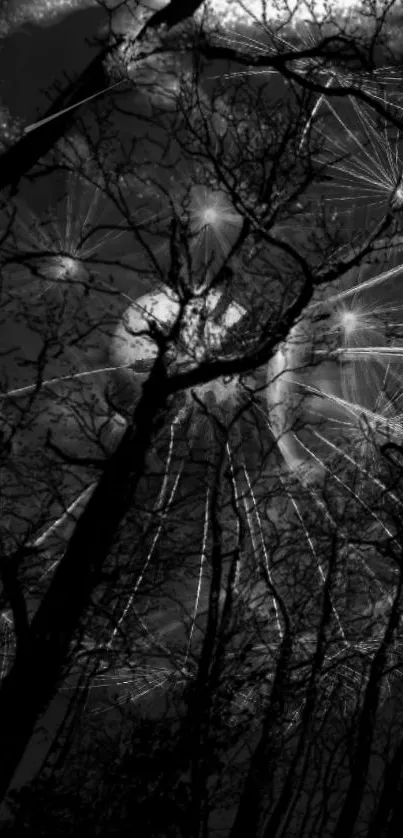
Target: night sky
x: 33, y: 58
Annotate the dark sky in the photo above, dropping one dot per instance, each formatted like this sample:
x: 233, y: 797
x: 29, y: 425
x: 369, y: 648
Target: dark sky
x: 35, y: 57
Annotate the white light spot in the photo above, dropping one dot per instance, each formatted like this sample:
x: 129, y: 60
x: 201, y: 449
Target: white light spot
x: 210, y: 216
x: 213, y: 210
x: 349, y: 322
x: 200, y: 334
x: 65, y: 267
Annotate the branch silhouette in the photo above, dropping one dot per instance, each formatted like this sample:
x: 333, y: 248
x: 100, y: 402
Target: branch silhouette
x: 92, y: 83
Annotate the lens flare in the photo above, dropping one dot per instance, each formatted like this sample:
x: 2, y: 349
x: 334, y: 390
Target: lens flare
x: 285, y: 456
x: 349, y: 322
x: 65, y: 243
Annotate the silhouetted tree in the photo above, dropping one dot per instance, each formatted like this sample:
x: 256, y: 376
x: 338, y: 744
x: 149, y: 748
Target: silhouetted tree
x: 197, y: 519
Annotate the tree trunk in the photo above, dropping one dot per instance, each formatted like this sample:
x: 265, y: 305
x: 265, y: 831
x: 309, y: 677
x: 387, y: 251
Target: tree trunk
x: 33, y: 680
x: 22, y: 156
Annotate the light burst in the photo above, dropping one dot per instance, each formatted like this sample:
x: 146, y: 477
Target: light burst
x: 335, y: 375
x: 64, y: 245
x: 286, y: 397
x: 209, y: 221
x: 365, y: 157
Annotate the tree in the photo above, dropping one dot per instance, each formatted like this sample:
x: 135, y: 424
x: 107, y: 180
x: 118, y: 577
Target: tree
x: 214, y: 532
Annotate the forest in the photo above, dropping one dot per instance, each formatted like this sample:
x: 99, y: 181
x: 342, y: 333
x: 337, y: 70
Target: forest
x: 201, y: 432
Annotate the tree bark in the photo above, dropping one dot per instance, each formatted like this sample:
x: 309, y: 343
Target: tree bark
x: 22, y: 156
x: 35, y: 676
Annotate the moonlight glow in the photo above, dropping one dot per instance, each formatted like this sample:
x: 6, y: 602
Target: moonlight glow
x: 292, y: 436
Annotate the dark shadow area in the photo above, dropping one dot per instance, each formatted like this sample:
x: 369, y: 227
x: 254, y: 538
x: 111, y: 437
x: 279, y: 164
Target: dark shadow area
x: 34, y: 59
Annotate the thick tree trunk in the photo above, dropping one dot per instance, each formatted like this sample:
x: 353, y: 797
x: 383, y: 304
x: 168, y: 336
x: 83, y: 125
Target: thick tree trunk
x: 22, y: 156
x: 34, y: 678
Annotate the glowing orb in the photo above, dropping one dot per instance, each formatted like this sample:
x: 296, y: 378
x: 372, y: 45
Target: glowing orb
x: 132, y: 340
x: 212, y: 209
x: 349, y: 321
x: 66, y: 267
x: 201, y: 332
x: 62, y: 269
x: 210, y: 215
x: 397, y: 198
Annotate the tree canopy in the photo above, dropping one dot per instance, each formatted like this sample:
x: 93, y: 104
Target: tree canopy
x: 200, y: 407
